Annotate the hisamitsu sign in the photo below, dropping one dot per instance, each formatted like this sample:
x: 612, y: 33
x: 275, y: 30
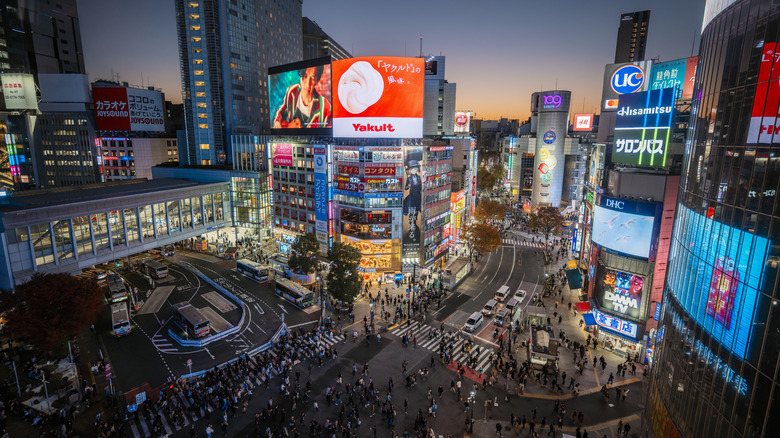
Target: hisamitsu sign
x: 643, y: 127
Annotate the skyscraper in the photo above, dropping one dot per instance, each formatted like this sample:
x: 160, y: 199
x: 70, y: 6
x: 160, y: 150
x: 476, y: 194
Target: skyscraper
x: 317, y: 43
x: 632, y: 36
x: 716, y: 371
x: 439, y: 100
x: 225, y: 49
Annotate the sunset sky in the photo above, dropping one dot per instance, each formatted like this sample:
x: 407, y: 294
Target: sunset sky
x: 498, y: 51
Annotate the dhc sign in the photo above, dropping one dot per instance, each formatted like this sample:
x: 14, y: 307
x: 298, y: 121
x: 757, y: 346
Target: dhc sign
x: 614, y: 204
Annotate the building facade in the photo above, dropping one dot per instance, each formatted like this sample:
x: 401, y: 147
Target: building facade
x: 716, y: 370
x: 225, y: 49
x: 129, y: 158
x: 317, y: 43
x: 439, y: 99
x: 632, y: 36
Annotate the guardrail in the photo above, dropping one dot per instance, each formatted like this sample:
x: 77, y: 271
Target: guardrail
x: 282, y: 330
x: 217, y: 337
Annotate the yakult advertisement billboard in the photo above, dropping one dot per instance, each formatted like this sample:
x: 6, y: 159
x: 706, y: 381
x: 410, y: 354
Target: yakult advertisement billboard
x: 378, y: 97
x: 128, y: 109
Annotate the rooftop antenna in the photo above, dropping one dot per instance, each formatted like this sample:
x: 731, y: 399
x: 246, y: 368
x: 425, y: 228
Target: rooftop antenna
x: 142, y: 80
x: 421, y: 55
x: 404, y: 48
x: 693, y: 42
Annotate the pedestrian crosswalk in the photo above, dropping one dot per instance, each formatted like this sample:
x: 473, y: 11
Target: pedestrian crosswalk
x: 423, y: 333
x: 522, y: 243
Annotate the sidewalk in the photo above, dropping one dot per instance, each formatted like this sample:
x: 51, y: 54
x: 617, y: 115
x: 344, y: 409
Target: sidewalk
x: 487, y: 428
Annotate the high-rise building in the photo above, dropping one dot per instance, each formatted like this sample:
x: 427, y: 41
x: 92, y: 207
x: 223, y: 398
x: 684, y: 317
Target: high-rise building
x: 439, y: 99
x: 716, y: 371
x: 632, y: 36
x: 225, y: 49
x: 317, y: 43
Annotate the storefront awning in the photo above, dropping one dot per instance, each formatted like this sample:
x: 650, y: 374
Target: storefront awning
x: 574, y: 277
x: 617, y: 334
x: 583, y: 307
x: 589, y: 319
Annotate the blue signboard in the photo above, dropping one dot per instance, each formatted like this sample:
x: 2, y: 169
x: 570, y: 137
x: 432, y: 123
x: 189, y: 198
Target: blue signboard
x: 321, y: 189
x: 643, y: 127
x: 669, y: 74
x: 715, y: 272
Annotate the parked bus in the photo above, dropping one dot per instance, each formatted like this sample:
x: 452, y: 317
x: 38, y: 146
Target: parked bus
x: 191, y: 320
x: 252, y: 269
x: 120, y: 319
x: 155, y: 269
x: 294, y: 293
x: 117, y: 291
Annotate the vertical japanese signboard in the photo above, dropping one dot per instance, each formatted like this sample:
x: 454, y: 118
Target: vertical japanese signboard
x: 321, y: 193
x: 412, y: 203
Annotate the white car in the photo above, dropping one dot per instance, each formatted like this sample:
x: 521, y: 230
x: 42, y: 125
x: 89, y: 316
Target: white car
x: 473, y: 323
x: 520, y: 294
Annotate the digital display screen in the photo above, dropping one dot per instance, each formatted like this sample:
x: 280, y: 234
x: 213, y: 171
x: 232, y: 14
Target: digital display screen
x: 622, y: 292
x: 299, y: 96
x: 626, y: 227
x: 716, y: 277
x: 643, y: 128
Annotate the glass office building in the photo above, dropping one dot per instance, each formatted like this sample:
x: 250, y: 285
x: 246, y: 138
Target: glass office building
x: 716, y: 370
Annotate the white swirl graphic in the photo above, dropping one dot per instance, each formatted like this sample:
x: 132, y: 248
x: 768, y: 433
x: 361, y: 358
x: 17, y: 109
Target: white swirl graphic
x: 360, y: 87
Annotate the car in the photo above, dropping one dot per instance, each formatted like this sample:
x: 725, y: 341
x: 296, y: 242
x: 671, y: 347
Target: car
x: 501, y: 317
x: 473, y: 323
x: 520, y: 294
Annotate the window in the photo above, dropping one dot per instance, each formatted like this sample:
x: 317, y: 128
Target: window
x: 203, y: 126
x: 196, y: 50
x: 201, y: 104
x: 194, y: 4
x: 200, y: 94
x: 204, y: 146
x: 194, y: 16
x: 195, y: 27
x: 203, y: 116
x: 200, y: 83
x: 197, y: 61
x: 198, y: 72
x: 195, y: 39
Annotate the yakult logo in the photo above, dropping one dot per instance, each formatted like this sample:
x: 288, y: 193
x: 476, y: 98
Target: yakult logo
x: 627, y: 79
x: 384, y: 127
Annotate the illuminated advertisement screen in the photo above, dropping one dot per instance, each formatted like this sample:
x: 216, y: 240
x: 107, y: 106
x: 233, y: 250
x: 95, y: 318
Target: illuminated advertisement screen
x: 763, y: 117
x: 299, y: 97
x: 626, y: 227
x: 412, y: 201
x: 643, y: 128
x: 378, y: 97
x: 583, y: 122
x: 621, y: 292
x: 128, y: 109
x: 679, y: 74
x: 462, y: 121
x: 714, y: 272
x: 624, y: 78
x: 281, y: 154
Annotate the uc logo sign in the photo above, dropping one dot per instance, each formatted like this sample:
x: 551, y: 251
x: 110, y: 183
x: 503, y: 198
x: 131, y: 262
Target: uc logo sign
x: 549, y: 137
x: 627, y: 79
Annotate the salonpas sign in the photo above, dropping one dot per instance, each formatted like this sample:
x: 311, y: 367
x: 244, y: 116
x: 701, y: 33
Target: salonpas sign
x: 643, y: 127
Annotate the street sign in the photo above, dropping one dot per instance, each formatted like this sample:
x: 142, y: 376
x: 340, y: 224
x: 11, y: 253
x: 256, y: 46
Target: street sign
x: 108, y: 367
x: 132, y: 408
x: 189, y: 362
x: 140, y: 398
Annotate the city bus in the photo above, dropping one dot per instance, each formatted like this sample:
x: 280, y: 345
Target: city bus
x: 191, y: 320
x: 294, y: 293
x: 252, y: 269
x: 120, y: 320
x: 117, y: 291
x: 155, y: 269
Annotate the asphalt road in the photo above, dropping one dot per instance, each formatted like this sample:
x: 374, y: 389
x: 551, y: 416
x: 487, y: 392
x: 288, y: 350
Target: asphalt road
x: 149, y: 355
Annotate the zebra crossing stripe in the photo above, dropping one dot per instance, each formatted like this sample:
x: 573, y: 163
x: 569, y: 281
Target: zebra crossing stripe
x: 424, y: 331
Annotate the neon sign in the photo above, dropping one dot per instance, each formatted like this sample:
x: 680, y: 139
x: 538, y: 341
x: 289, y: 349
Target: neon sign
x: 552, y: 101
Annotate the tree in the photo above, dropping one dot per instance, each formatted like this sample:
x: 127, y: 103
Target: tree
x: 481, y: 237
x: 547, y: 220
x: 489, y: 210
x: 343, y: 278
x: 303, y: 254
x: 51, y: 308
x: 485, y: 179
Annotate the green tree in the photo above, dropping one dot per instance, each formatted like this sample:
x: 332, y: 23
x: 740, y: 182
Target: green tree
x: 489, y: 210
x: 548, y: 220
x: 481, y: 237
x: 485, y: 179
x: 51, y: 308
x: 343, y: 278
x: 303, y: 254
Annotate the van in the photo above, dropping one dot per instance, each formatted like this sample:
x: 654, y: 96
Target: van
x: 489, y: 308
x: 501, y: 317
x: 502, y: 293
x: 473, y: 323
x: 511, y: 305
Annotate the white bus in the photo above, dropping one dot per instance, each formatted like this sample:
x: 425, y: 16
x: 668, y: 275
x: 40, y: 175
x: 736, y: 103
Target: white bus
x: 120, y: 320
x: 252, y: 269
x: 155, y: 269
x: 294, y: 293
x: 191, y: 320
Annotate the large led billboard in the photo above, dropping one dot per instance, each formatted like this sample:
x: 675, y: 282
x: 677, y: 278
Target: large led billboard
x: 764, y: 127
x: 679, y: 74
x: 128, y: 109
x: 626, y: 227
x: 378, y: 97
x: 621, y: 292
x: 643, y: 128
x: 622, y: 79
x: 412, y: 201
x: 462, y: 122
x: 299, y: 96
x: 715, y: 273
